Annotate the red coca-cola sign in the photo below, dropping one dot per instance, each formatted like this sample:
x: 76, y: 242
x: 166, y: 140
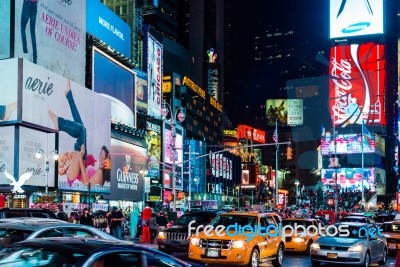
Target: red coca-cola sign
x: 356, y: 85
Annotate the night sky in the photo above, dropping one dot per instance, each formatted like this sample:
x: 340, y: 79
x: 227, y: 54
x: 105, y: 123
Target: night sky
x: 249, y: 84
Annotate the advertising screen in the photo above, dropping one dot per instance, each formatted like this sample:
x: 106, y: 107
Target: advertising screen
x: 356, y: 86
x: 168, y: 156
x: 116, y: 82
x: 213, y: 74
x: 33, y: 141
x: 251, y: 133
x: 193, y: 169
x: 350, y: 178
x: 153, y: 140
x: 126, y: 179
x: 141, y: 91
x: 8, y: 89
x: 347, y: 144
x: 59, y: 42
x: 103, y: 23
x: 345, y: 22
x: 155, y: 73
x: 5, y: 29
x: 285, y: 111
x: 80, y: 116
x: 7, y: 153
x: 380, y: 180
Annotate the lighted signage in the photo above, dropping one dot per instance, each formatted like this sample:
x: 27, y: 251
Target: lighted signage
x: 153, y: 140
x: 380, y: 180
x: 200, y: 92
x: 221, y: 166
x: 7, y: 143
x: 356, y: 86
x: 5, y: 32
x: 355, y: 18
x: 116, y: 82
x: 141, y: 91
x: 351, y: 178
x: 154, y: 72
x: 347, y: 144
x: 59, y: 43
x: 213, y: 80
x: 284, y: 111
x: 229, y: 132
x: 169, y: 157
x: 103, y: 23
x: 8, y: 90
x: 194, y: 169
x: 251, y: 133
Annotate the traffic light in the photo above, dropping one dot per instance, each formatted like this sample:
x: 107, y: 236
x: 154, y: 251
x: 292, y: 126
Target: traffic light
x: 289, y: 152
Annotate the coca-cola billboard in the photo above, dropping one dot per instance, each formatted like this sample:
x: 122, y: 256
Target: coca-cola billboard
x: 356, y: 85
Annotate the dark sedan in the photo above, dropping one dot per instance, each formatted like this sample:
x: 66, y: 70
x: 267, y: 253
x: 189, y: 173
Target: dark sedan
x: 84, y: 252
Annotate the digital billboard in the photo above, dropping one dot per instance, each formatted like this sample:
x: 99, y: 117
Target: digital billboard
x: 380, y: 180
x: 194, y: 169
x: 155, y: 73
x: 168, y: 156
x: 7, y: 144
x: 126, y: 179
x: 347, y: 144
x: 141, y: 91
x: 78, y: 114
x: 251, y: 133
x: 52, y: 34
x: 284, y: 111
x: 355, y: 18
x: 117, y: 83
x: 356, y: 86
x: 5, y: 32
x: 106, y: 26
x: 8, y: 90
x: 30, y: 142
x: 350, y: 178
x: 153, y: 141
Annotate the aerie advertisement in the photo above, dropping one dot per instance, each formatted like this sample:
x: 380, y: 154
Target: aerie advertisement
x: 82, y: 119
x: 52, y: 34
x: 6, y: 153
x: 8, y: 90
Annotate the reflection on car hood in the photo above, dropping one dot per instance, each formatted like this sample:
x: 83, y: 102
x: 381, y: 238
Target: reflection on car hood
x: 338, y: 241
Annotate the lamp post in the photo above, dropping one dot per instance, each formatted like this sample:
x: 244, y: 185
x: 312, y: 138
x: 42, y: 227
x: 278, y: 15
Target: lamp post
x: 47, y: 162
x: 174, y: 114
x: 144, y: 173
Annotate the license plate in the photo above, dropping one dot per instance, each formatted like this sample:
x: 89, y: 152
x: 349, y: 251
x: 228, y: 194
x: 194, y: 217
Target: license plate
x: 212, y: 253
x: 392, y: 246
x: 331, y: 255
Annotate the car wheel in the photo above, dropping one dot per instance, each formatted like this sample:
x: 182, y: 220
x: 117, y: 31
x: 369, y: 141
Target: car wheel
x: 254, y: 258
x: 384, y: 258
x: 315, y: 263
x: 277, y: 262
x: 367, y: 260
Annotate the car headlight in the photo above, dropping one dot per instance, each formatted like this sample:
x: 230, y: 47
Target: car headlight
x: 315, y: 246
x: 356, y: 248
x: 162, y: 235
x: 195, y: 241
x: 298, y: 240
x: 238, y: 243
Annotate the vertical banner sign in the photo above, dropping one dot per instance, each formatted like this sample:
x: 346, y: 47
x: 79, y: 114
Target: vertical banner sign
x: 356, y: 86
x: 141, y: 91
x: 6, y: 153
x: 155, y: 73
x: 213, y: 80
x: 169, y: 158
x: 8, y: 89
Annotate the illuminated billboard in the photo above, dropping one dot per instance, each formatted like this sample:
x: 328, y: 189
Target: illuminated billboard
x: 59, y: 40
x: 103, y: 23
x: 350, y: 178
x: 126, y: 179
x: 141, y: 91
x: 7, y: 144
x: 153, y: 141
x: 116, y: 82
x: 284, y: 111
x: 168, y: 156
x: 8, y: 90
x: 355, y: 18
x: 5, y: 7
x: 251, y: 133
x: 347, y: 144
x: 356, y: 86
x: 155, y: 73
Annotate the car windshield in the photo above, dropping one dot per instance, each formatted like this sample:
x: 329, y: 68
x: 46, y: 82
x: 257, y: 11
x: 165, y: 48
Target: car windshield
x: 186, y: 219
x: 39, y: 256
x: 9, y: 236
x: 240, y: 220
x: 394, y: 228
x: 293, y: 223
x: 353, y: 219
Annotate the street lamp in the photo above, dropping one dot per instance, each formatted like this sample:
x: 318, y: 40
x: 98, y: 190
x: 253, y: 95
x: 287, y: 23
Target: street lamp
x: 47, y: 161
x: 144, y: 173
x: 165, y: 110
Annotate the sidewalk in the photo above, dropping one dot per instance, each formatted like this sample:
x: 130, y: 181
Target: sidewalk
x: 138, y: 242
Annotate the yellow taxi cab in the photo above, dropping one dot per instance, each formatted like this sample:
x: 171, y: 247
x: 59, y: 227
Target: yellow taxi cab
x: 391, y: 230
x: 300, y: 240
x: 238, y: 238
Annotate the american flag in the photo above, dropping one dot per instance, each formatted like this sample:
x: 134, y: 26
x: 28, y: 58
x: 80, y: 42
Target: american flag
x: 275, y: 136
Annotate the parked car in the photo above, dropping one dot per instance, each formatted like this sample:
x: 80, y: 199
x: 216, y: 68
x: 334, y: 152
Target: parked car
x: 26, y: 212
x: 14, y: 230
x: 357, y: 247
x: 84, y: 252
x: 175, y: 238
